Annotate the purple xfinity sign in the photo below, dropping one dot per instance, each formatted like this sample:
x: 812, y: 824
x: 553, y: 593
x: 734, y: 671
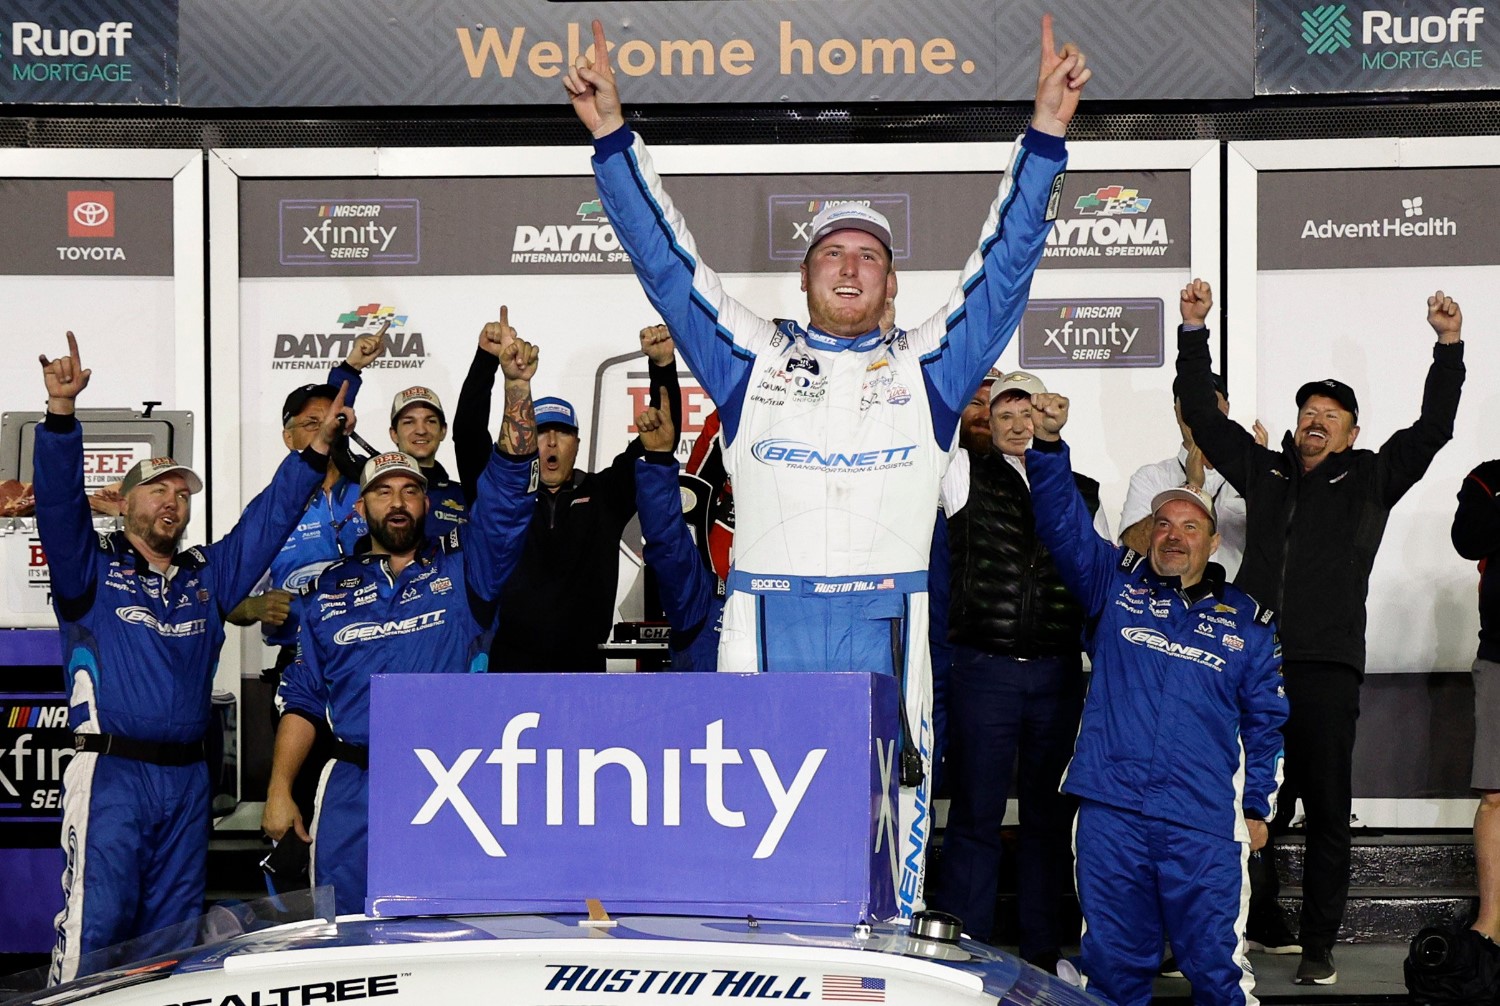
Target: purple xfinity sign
x: 710, y: 794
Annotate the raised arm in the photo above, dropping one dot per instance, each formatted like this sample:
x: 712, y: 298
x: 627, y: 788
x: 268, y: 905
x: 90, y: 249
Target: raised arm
x: 1405, y: 457
x: 472, y: 442
x: 63, y: 518
x: 518, y: 362
x: 365, y: 351
x: 1232, y: 449
x: 687, y: 588
x: 1084, y: 560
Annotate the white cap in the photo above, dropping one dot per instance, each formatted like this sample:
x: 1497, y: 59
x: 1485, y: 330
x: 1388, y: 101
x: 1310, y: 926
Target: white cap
x: 390, y: 463
x: 848, y: 216
x: 1189, y: 493
x: 1016, y: 380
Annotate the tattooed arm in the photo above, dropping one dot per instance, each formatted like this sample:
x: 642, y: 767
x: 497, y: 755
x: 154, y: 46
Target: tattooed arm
x: 518, y: 360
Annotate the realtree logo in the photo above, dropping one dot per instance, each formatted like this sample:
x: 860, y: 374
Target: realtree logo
x: 1326, y: 29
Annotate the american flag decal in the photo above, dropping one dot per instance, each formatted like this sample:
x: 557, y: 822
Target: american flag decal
x: 853, y: 988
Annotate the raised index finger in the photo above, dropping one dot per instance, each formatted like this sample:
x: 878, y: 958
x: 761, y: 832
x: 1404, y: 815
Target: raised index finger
x: 73, y: 348
x: 505, y: 312
x: 601, y: 48
x: 1049, y: 46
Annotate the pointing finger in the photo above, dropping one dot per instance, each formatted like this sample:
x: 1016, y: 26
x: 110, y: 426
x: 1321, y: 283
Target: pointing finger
x: 1049, y: 47
x: 504, y: 315
x: 73, y: 345
x: 601, y: 48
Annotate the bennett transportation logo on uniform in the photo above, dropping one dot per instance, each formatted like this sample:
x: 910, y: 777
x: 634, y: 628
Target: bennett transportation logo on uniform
x: 800, y: 455
x: 1377, y: 218
x: 1152, y: 639
x: 404, y: 349
x: 1125, y: 219
x: 334, y: 232
x: 1093, y: 333
x: 1377, y: 46
x: 790, y: 220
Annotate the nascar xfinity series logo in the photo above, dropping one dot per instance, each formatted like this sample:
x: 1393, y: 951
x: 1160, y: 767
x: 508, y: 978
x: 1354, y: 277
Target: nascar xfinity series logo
x: 797, y: 455
x: 404, y: 350
x: 325, y: 232
x: 590, y: 239
x: 1154, y: 640
x: 1127, y: 332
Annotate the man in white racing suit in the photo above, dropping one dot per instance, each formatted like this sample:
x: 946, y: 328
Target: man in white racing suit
x: 837, y: 434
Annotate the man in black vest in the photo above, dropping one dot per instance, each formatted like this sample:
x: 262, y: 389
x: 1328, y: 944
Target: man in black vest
x: 1016, y: 684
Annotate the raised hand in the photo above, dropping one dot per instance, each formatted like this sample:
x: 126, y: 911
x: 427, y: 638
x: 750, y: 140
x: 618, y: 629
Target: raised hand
x: 1059, y: 83
x: 1262, y: 437
x: 1049, y: 414
x: 591, y: 89
x: 494, y: 333
x: 1445, y: 317
x: 1195, y: 466
x: 655, y: 428
x: 518, y: 358
x: 656, y: 343
x: 1196, y: 300
x: 65, y: 377
x: 332, y: 427
x: 368, y: 348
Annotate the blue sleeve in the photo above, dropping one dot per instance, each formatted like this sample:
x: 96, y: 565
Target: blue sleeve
x: 1263, y: 709
x: 686, y: 587
x: 242, y: 556
x: 302, y: 688
x: 1085, y: 561
x: 343, y: 372
x: 717, y: 336
x: 63, y: 521
x: 496, y: 532
x: 966, y: 337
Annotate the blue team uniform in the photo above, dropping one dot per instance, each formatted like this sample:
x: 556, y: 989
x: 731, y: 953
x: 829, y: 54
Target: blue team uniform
x: 328, y: 529
x: 1180, y: 741
x: 690, y: 594
x: 358, y: 620
x: 140, y: 650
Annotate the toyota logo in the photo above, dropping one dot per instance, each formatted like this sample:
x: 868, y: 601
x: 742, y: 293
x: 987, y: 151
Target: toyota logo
x: 91, y: 214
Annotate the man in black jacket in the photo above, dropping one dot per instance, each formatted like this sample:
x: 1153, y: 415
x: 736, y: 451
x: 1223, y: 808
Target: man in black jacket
x: 1016, y: 682
x: 1476, y: 535
x: 1315, y: 514
x: 559, y: 604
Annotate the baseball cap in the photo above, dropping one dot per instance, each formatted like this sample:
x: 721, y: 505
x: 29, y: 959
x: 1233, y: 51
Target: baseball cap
x: 1017, y: 380
x: 298, y: 399
x: 417, y: 395
x: 555, y: 412
x: 152, y: 469
x: 390, y: 463
x: 848, y: 216
x: 1330, y: 388
x: 1189, y: 493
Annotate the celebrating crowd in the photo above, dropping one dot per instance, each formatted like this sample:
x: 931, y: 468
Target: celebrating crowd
x: 897, y: 507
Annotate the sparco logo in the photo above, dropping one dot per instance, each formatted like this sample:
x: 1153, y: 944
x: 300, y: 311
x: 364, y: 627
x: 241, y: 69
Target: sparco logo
x: 1093, y: 333
x: 323, y: 232
x: 592, y: 240
x: 319, y: 350
x: 1112, y: 221
x: 796, y: 454
x: 361, y: 632
x: 770, y: 583
x: 342, y: 990
x: 136, y: 615
x: 791, y: 221
x: 1411, y: 221
x: 1154, y: 640
x: 720, y: 789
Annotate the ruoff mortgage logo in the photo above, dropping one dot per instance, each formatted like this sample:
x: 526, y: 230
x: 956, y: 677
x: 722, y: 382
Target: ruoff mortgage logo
x: 335, y: 232
x: 1093, y: 333
x: 66, y: 53
x: 588, y: 237
x: 1395, y: 40
x: 791, y: 221
x: 1113, y: 220
x: 404, y: 349
x: 1411, y: 220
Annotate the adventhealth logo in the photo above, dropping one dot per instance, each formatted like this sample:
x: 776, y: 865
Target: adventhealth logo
x: 1326, y: 29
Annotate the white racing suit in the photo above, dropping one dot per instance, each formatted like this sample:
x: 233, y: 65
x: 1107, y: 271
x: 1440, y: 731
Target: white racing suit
x: 836, y: 446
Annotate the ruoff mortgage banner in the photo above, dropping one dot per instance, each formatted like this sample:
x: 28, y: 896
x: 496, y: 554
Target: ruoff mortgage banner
x: 96, y: 52
x: 1308, y: 47
x: 719, y: 794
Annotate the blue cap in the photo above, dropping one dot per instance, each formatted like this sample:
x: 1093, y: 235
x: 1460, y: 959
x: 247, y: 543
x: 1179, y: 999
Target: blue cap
x: 555, y: 412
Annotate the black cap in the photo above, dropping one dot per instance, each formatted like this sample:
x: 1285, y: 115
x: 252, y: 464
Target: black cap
x: 1329, y: 388
x: 297, y: 400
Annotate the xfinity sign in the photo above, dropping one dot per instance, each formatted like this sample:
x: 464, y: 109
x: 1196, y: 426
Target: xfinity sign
x: 763, y: 794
